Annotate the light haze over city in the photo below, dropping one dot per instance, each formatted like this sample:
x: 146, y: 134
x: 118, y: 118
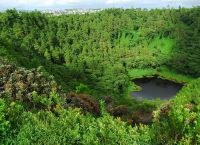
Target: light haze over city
x: 93, y: 4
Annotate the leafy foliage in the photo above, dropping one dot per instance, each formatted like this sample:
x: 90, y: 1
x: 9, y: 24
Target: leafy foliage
x: 71, y: 127
x: 4, y: 124
x: 28, y: 86
x: 178, y: 121
x: 98, y: 49
x: 97, y: 54
x: 83, y: 101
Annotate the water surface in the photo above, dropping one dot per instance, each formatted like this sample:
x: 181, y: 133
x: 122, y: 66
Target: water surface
x: 153, y: 88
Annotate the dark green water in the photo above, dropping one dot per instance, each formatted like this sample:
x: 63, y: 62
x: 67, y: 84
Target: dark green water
x: 153, y: 88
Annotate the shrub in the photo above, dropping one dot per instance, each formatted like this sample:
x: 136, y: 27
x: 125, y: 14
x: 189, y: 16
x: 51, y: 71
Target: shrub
x: 82, y: 89
x: 21, y: 85
x: 4, y: 123
x: 72, y: 127
x: 178, y: 122
x: 82, y: 101
x: 10, y: 119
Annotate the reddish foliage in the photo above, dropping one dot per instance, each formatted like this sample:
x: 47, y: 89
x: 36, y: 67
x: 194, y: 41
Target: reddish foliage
x: 120, y: 110
x: 141, y: 117
x: 83, y: 101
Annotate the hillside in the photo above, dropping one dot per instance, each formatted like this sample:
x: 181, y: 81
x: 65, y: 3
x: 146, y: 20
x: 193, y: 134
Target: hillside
x: 53, y: 65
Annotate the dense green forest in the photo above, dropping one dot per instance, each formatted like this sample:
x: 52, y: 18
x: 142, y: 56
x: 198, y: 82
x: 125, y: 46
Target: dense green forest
x: 67, y: 79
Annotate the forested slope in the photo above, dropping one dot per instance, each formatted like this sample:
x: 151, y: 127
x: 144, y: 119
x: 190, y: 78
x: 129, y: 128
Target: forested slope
x: 100, y: 48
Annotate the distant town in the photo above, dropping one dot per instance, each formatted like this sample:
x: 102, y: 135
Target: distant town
x: 71, y: 11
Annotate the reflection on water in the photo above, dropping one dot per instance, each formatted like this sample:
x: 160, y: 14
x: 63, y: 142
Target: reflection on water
x: 153, y: 88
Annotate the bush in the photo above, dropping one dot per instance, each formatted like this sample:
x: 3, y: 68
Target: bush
x: 82, y: 89
x: 178, y: 122
x: 72, y: 127
x: 82, y: 101
x: 10, y: 119
x: 21, y: 85
x: 4, y: 123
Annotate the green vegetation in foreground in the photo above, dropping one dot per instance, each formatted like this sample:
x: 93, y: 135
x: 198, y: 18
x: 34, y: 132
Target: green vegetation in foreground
x: 28, y: 122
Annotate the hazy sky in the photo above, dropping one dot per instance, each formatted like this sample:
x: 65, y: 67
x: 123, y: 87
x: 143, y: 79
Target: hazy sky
x: 64, y: 4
